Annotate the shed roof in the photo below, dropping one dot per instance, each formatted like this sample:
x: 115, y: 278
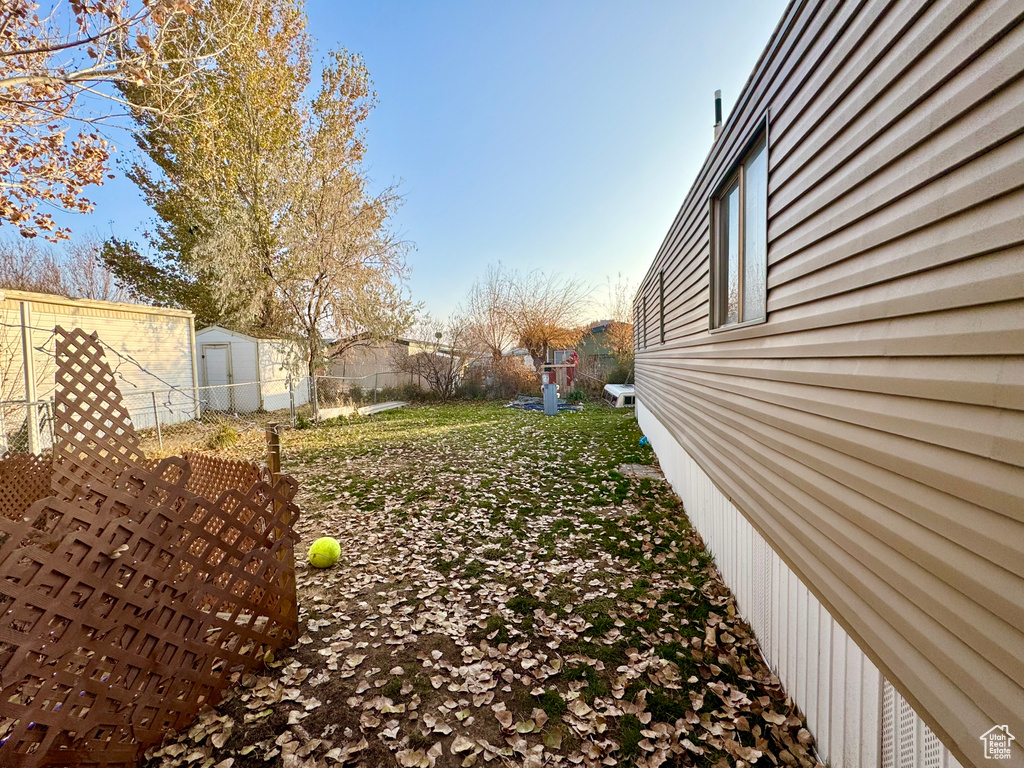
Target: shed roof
x: 240, y: 335
x: 54, y: 300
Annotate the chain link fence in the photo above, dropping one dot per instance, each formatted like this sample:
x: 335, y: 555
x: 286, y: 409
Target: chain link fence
x: 345, y: 395
x: 26, y: 427
x: 230, y: 420
x: 236, y: 421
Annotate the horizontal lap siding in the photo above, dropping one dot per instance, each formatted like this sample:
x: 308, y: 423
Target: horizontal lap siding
x: 148, y: 352
x: 873, y: 429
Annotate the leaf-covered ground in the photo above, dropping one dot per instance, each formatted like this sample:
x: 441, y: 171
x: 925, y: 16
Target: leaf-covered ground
x: 513, y: 590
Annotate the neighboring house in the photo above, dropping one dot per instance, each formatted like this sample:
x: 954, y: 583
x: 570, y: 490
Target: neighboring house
x: 830, y: 367
x: 383, y: 364
x: 242, y: 374
x: 373, y: 365
x: 148, y: 348
x: 595, y: 351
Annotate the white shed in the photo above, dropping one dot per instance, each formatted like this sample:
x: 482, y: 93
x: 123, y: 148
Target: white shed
x: 242, y: 373
x: 148, y: 348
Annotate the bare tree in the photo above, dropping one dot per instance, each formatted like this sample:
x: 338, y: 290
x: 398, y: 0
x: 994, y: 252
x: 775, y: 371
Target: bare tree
x: 49, y: 63
x: 337, y: 268
x: 445, y: 352
x: 620, y: 328
x: 76, y: 272
x: 546, y: 313
x: 26, y: 266
x: 489, y: 312
x: 85, y: 276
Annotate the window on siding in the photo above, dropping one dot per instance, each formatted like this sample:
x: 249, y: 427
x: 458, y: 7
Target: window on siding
x: 643, y: 320
x: 661, y: 305
x: 739, y: 238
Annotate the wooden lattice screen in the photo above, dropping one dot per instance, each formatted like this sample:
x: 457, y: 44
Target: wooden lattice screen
x: 130, y: 590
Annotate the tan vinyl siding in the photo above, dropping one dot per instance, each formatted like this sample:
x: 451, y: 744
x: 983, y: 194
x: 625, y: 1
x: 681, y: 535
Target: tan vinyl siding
x: 149, y: 348
x: 873, y: 429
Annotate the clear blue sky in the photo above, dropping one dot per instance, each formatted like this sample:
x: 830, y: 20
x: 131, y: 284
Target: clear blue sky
x: 555, y: 135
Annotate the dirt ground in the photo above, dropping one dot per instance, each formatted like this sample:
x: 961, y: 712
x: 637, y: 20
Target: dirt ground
x: 513, y: 590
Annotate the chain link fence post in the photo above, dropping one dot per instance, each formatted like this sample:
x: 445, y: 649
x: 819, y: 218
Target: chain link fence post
x: 316, y: 397
x: 156, y: 420
x: 50, y: 417
x: 291, y: 398
x: 28, y: 363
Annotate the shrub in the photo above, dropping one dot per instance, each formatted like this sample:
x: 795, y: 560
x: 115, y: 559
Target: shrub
x: 303, y: 422
x: 471, y: 390
x: 225, y: 436
x: 356, y: 393
x: 576, y: 396
x: 511, y: 378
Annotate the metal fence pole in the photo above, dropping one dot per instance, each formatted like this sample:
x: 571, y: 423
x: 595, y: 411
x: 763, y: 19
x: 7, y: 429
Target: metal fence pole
x: 316, y: 398
x: 50, y: 412
x: 28, y: 363
x: 156, y: 418
x: 375, y: 388
x: 273, y: 450
x: 291, y: 398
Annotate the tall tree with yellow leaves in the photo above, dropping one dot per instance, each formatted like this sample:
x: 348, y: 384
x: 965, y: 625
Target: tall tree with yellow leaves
x: 265, y: 219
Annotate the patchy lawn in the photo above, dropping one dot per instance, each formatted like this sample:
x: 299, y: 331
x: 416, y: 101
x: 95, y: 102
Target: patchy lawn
x: 511, y: 592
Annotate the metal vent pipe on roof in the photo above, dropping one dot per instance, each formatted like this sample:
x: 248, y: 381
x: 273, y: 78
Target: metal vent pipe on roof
x: 718, y: 114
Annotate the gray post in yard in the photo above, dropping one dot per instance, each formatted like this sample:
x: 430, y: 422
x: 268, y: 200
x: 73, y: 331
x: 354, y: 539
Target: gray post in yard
x: 550, y: 394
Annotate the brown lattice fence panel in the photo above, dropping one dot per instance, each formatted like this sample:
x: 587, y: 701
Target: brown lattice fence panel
x: 212, y: 475
x: 130, y: 598
x: 94, y: 435
x: 24, y: 479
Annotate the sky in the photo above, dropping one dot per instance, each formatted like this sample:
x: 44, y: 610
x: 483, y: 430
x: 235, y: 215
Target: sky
x: 560, y: 136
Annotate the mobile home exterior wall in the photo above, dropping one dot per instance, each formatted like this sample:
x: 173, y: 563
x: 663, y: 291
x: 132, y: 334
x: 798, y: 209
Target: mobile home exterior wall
x: 149, y: 348
x: 870, y: 433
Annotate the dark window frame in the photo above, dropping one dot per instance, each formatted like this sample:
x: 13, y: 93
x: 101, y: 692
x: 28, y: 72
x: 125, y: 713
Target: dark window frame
x: 643, y: 319
x: 661, y: 305
x: 719, y: 283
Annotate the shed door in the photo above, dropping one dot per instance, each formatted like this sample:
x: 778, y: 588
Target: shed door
x: 217, y: 373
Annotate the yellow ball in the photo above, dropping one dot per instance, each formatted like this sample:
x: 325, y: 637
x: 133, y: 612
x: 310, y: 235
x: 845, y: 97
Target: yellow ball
x: 325, y: 552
